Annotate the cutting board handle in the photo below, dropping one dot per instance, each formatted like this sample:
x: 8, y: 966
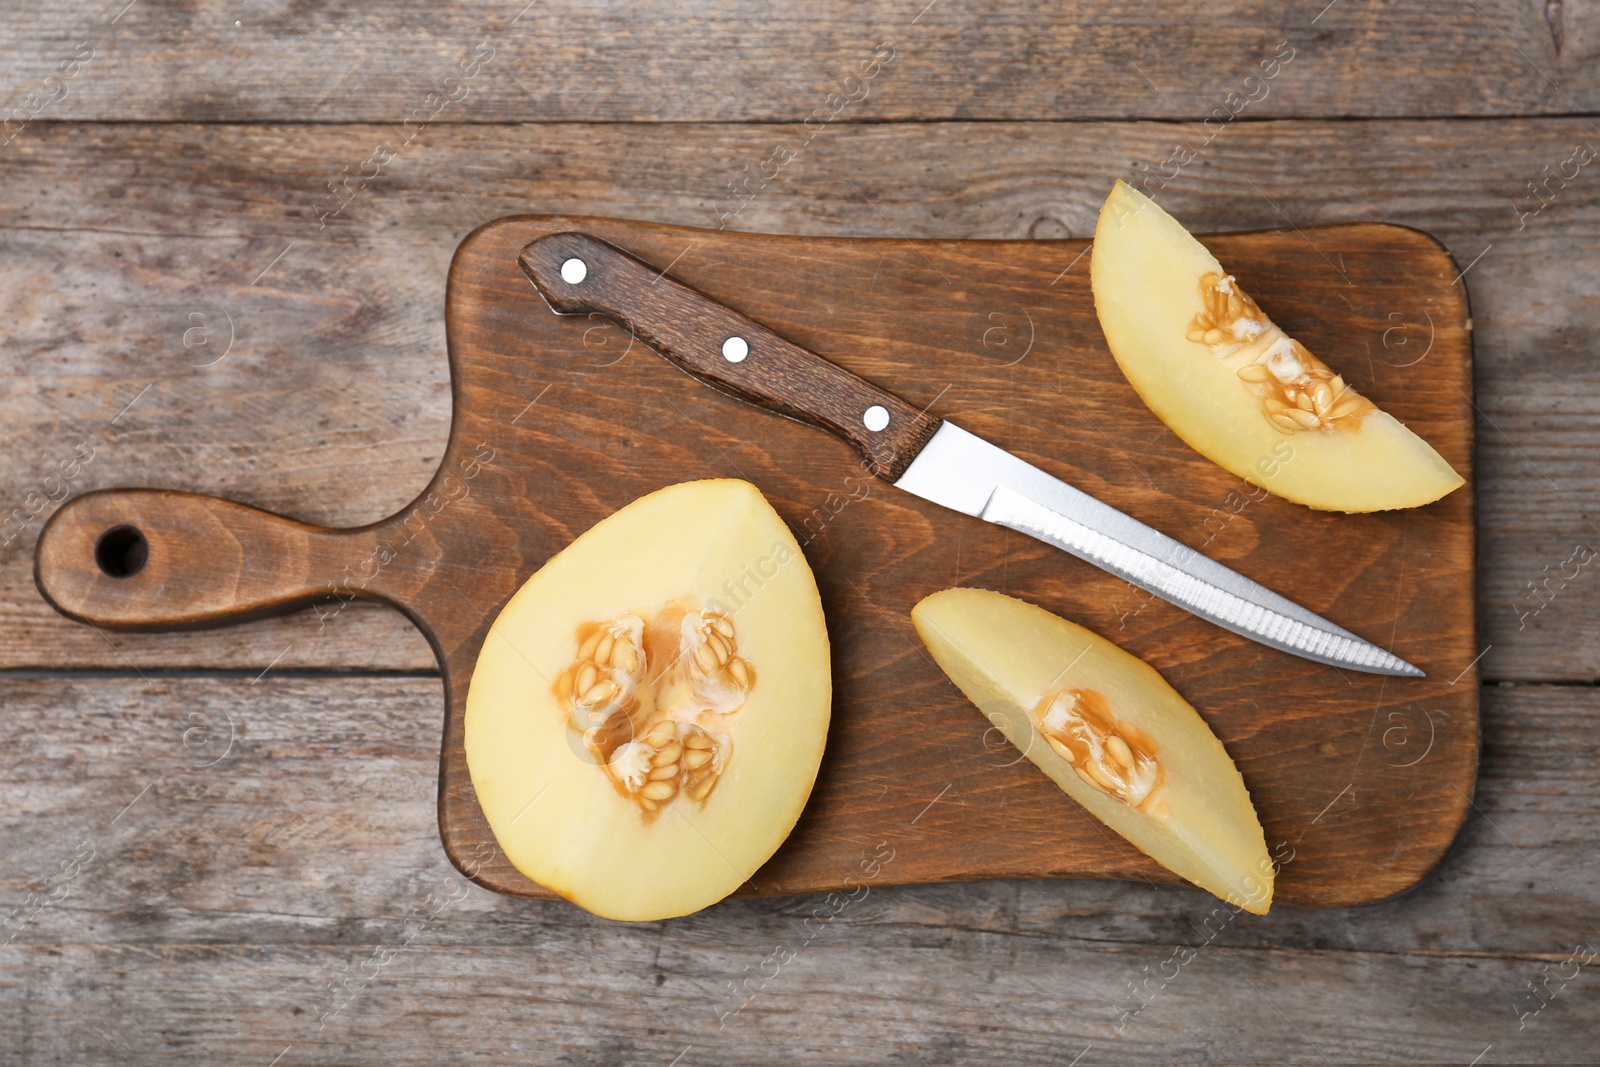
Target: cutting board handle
x: 150, y: 559
x: 581, y: 274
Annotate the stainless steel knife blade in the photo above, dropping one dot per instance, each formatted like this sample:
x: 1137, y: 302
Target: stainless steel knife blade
x: 962, y: 471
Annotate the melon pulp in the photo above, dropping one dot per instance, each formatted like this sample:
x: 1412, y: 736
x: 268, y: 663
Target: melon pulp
x: 1109, y: 731
x: 1235, y: 387
x: 648, y: 712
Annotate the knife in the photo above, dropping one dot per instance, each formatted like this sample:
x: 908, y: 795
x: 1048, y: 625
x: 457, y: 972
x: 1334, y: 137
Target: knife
x: 578, y: 273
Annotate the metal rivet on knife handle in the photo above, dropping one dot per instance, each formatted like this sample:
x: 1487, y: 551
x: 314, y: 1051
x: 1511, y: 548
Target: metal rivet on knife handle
x: 876, y: 418
x: 574, y: 271
x: 734, y: 349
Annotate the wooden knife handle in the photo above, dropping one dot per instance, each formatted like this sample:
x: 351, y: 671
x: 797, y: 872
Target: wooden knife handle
x: 724, y: 349
x: 150, y: 559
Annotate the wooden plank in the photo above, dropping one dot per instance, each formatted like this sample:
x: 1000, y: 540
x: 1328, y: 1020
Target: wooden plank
x: 695, y: 60
x: 117, y: 234
x: 263, y: 872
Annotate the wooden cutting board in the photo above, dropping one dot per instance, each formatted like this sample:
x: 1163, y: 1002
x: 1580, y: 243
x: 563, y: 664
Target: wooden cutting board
x: 1361, y: 781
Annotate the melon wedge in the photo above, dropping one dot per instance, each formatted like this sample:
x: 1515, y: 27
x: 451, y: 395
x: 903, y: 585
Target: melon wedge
x: 1109, y: 731
x: 648, y: 712
x: 1235, y: 387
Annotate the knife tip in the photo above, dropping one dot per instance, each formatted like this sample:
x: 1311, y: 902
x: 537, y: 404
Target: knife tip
x: 1406, y: 670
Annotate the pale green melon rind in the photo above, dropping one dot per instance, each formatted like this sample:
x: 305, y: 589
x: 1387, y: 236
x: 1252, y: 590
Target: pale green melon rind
x: 555, y: 815
x: 1144, y: 268
x: 1003, y: 654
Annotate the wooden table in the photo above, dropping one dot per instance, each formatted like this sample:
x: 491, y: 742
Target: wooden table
x: 221, y: 846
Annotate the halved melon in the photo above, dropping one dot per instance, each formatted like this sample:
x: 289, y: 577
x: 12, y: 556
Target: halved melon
x: 1234, y: 386
x: 1109, y: 731
x: 648, y: 712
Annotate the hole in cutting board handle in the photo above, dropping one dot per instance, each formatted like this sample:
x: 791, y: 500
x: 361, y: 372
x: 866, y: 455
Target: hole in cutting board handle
x: 121, y: 552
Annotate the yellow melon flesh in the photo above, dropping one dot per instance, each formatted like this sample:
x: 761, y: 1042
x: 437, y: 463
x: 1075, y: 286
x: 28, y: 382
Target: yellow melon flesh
x: 1109, y: 731
x: 648, y: 712
x: 1234, y: 386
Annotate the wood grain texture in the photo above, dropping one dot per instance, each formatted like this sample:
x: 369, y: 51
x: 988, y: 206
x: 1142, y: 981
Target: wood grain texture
x: 548, y: 438
x: 259, y: 847
x: 695, y: 60
x: 332, y: 403
x: 229, y: 902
